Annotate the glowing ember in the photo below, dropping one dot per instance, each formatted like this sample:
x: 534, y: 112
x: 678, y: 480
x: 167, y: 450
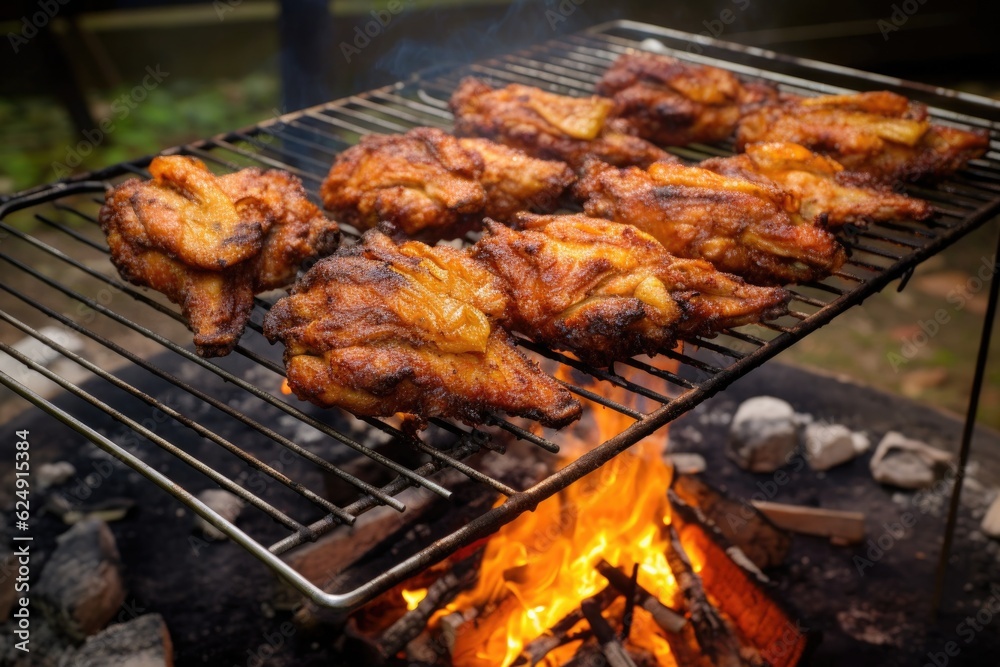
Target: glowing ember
x: 539, y: 568
x: 413, y: 598
x: 285, y: 389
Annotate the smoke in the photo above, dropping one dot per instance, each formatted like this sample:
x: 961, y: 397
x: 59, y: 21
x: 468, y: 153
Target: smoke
x: 478, y: 36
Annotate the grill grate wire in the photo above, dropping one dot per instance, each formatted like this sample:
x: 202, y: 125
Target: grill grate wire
x: 305, y: 144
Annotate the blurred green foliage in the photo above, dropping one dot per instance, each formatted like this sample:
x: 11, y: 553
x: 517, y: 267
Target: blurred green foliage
x: 37, y: 137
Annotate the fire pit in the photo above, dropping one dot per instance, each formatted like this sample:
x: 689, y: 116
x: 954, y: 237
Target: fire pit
x: 363, y: 472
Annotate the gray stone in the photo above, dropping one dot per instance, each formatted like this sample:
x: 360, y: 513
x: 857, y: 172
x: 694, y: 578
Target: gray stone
x: 226, y: 504
x: 141, y: 642
x: 80, y: 588
x: 763, y: 435
x: 686, y: 463
x: 991, y: 522
x: 907, y: 463
x: 829, y: 445
x: 53, y: 474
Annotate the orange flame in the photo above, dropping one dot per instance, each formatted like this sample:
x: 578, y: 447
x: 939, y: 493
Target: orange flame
x: 413, y: 598
x: 285, y: 389
x: 539, y: 568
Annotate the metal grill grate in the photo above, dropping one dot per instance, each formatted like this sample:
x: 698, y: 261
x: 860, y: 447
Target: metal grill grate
x: 305, y: 144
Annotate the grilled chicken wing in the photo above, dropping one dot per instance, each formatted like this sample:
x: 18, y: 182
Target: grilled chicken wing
x: 210, y: 243
x: 741, y: 227
x: 381, y: 328
x: 608, y: 291
x: 672, y: 102
x: 878, y: 133
x: 824, y: 196
x: 547, y: 125
x: 428, y: 183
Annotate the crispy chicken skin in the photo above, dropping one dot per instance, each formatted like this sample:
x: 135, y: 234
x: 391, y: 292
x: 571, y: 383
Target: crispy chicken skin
x: 548, y: 126
x: 417, y: 181
x: 607, y: 291
x: 209, y: 243
x: 381, y: 328
x: 515, y: 181
x: 825, y: 196
x: 672, y: 103
x: 877, y: 133
x: 429, y: 184
x: 741, y: 227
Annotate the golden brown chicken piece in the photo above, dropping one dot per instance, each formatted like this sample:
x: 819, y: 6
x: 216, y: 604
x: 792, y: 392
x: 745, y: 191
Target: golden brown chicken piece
x: 608, y: 291
x: 515, y: 181
x: 210, y: 243
x: 878, y: 133
x: 741, y: 227
x: 428, y: 183
x: 825, y: 196
x: 381, y: 328
x: 421, y: 180
x: 672, y: 103
x: 548, y: 126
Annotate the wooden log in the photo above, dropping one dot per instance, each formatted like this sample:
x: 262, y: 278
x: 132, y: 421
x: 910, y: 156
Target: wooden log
x: 838, y: 525
x: 715, y: 638
x: 588, y: 655
x: 665, y: 617
x: 612, y: 649
x: 739, y: 521
x: 440, y: 593
x: 535, y: 650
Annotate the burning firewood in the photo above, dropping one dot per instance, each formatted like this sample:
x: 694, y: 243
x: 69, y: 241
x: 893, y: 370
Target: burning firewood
x: 440, y: 593
x: 713, y: 633
x: 558, y: 634
x: 669, y: 620
x: 611, y: 647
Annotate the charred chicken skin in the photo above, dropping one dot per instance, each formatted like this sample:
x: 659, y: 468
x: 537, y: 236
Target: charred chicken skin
x: 428, y: 183
x: 548, y: 126
x: 825, y: 196
x: 877, y: 133
x: 209, y: 243
x: 745, y: 228
x: 672, y: 103
x: 607, y: 291
x: 381, y: 328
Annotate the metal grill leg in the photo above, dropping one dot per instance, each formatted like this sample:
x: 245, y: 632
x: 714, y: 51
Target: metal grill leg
x: 970, y: 424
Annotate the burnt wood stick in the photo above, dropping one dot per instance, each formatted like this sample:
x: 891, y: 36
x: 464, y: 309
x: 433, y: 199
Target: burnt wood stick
x: 712, y: 632
x: 633, y: 586
x: 588, y: 655
x: 665, y: 617
x: 557, y: 635
x: 613, y: 649
x: 441, y: 592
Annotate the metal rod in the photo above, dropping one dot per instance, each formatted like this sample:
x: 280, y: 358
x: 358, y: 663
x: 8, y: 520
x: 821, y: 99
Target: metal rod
x: 967, y: 431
